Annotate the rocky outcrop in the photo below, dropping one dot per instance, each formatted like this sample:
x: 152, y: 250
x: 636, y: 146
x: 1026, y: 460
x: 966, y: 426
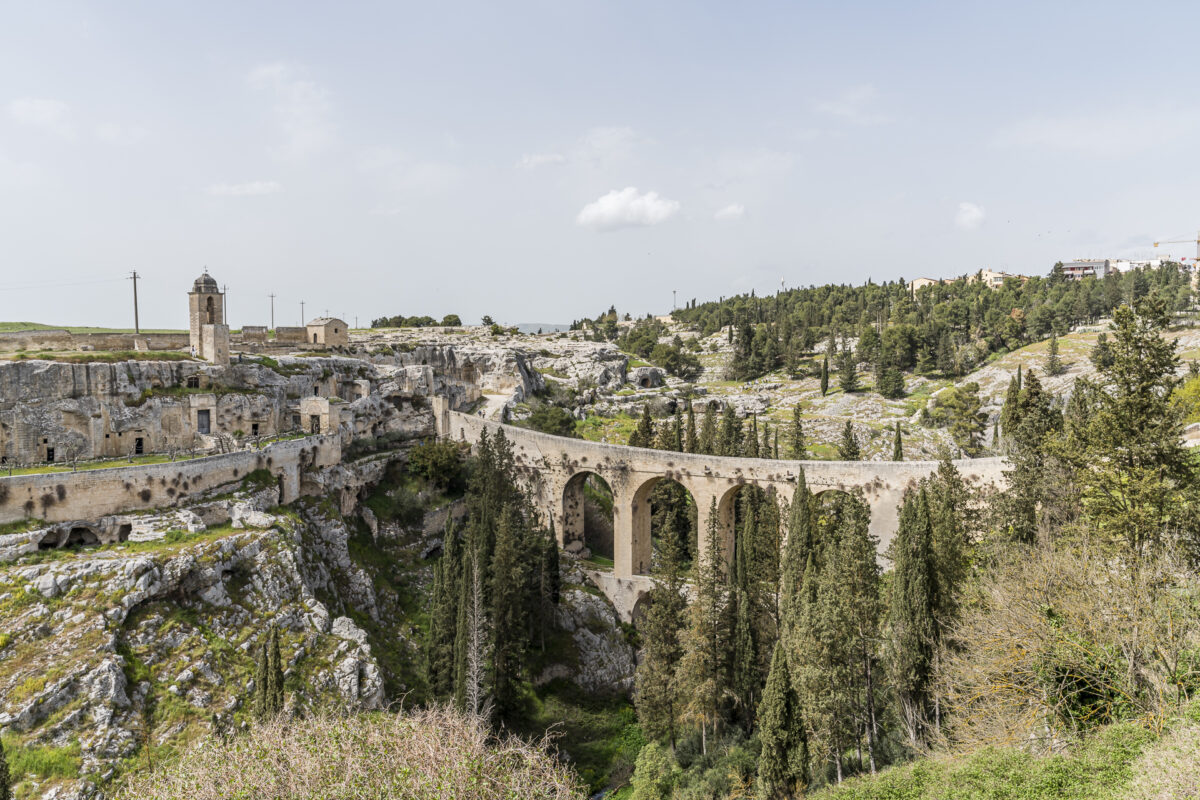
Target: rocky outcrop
x: 94, y: 641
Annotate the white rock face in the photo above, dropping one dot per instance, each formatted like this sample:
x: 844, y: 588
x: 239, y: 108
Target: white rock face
x: 606, y: 659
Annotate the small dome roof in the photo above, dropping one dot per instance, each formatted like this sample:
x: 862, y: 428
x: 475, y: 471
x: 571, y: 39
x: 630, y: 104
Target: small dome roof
x: 205, y: 283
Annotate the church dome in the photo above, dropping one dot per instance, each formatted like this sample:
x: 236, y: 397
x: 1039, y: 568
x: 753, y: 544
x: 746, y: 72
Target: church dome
x: 205, y: 283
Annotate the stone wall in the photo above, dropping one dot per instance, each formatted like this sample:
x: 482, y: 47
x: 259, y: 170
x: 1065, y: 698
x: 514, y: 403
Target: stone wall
x: 91, y: 494
x: 14, y: 341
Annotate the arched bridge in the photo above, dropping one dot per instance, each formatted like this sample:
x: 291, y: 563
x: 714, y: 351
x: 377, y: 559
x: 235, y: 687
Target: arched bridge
x: 555, y: 467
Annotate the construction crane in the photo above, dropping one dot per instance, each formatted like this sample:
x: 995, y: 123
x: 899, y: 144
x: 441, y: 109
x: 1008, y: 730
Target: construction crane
x: 1195, y: 241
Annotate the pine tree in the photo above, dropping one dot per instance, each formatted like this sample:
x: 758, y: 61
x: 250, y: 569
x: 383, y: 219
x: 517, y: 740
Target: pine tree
x: 848, y: 448
x: 891, y: 383
x: 847, y: 371
x: 691, y: 443
x: 912, y: 615
x: 783, y: 758
x: 1054, y: 365
x: 799, y: 450
x: 897, y: 444
x: 643, y: 435
x: 5, y: 776
x: 825, y: 376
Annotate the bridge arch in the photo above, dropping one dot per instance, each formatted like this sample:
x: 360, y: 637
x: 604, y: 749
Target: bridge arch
x: 652, y: 501
x: 587, y: 521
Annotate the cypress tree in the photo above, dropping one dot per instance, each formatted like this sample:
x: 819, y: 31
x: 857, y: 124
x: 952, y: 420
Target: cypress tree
x: 262, y: 679
x: 776, y: 443
x: 1010, y: 412
x: 549, y: 581
x: 783, y: 758
x: 798, y: 449
x: 751, y: 447
x: 897, y: 444
x: 708, y: 432
x: 1054, y: 365
x: 443, y: 616
x: 848, y: 448
x: 677, y: 439
x: 912, y: 615
x: 657, y: 698
x: 643, y: 435
x: 690, y: 443
x: 825, y: 376
x: 800, y: 539
x: 509, y: 614
x: 729, y: 442
x: 847, y: 372
x: 707, y: 636
x: 276, y: 674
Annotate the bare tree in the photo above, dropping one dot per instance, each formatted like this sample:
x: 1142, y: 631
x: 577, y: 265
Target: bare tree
x: 478, y: 703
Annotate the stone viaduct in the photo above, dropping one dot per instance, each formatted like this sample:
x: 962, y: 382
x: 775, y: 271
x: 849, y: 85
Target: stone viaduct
x: 555, y: 468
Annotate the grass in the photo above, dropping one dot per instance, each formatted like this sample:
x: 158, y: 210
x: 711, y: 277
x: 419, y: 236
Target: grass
x: 600, y: 733
x: 1102, y: 767
x: 42, y: 761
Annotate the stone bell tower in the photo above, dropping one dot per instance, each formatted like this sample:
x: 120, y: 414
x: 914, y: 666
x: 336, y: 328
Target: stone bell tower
x: 206, y: 313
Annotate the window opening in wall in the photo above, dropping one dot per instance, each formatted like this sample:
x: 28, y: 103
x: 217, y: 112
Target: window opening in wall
x: 209, y: 311
x: 254, y: 429
x: 139, y: 446
x: 203, y: 421
x: 295, y: 420
x: 193, y: 382
x: 314, y: 423
x: 316, y: 390
x: 49, y: 453
x: 314, y: 338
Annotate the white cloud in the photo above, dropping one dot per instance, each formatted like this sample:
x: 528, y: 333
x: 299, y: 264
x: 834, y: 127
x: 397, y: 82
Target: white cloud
x: 535, y: 160
x: 248, y: 189
x: 730, y: 212
x: 1116, y: 134
x: 301, y: 109
x: 626, y: 208
x: 51, y: 116
x: 854, y: 105
x: 113, y: 133
x: 969, y: 216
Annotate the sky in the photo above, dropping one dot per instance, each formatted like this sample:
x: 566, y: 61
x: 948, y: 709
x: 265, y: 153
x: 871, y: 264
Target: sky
x: 541, y: 161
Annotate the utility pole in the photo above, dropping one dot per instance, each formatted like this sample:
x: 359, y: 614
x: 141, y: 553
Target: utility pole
x: 301, y: 313
x: 674, y: 302
x: 137, y: 328
x: 225, y: 304
x: 272, y: 296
